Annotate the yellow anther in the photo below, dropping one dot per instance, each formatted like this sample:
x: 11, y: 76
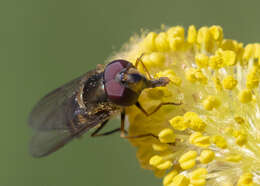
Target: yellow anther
x: 206, y: 156
x: 188, y: 160
x: 200, y: 77
x: 217, y: 83
x: 194, y: 75
x: 160, y: 147
x: 228, y: 57
x: 180, y: 180
x: 190, y: 75
x: 211, y: 102
x: 229, y: 82
x: 194, y: 121
x: 249, y: 52
x: 199, y: 140
x: 205, y: 38
x: 166, y: 136
x: 234, y: 158
x: 202, y: 60
x: 219, y: 141
x: 175, y: 43
x: 245, y: 96
x: 228, y: 130
x: 176, y: 31
x: 253, y: 78
x: 216, y: 32
x: 165, y: 165
x: 171, y: 75
x: 239, y: 120
x: 161, y: 42
x: 155, y: 160
x: 156, y: 59
x: 241, y: 139
x: 229, y: 44
x: 149, y: 42
x: 216, y: 62
x: 158, y: 162
x: 169, y: 177
x: 245, y: 179
x: 192, y: 34
x: 257, y: 50
x: 198, y: 177
x: 178, y: 123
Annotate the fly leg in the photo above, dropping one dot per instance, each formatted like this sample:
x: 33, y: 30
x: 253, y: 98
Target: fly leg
x: 123, y: 132
x: 95, y: 133
x: 156, y: 109
x: 139, y: 60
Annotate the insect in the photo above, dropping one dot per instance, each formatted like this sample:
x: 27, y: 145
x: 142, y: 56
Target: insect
x: 89, y: 101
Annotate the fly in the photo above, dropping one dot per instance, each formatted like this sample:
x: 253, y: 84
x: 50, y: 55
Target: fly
x: 90, y: 101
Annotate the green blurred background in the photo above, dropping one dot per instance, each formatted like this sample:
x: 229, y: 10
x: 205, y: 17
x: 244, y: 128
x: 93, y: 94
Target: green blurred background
x: 45, y: 43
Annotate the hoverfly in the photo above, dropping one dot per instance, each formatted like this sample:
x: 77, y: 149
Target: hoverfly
x: 89, y: 101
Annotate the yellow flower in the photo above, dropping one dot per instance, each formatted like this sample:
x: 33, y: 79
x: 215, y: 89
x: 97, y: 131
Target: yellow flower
x: 213, y: 137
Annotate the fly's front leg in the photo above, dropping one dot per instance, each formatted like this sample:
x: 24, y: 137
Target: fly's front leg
x: 138, y: 105
x: 139, y: 60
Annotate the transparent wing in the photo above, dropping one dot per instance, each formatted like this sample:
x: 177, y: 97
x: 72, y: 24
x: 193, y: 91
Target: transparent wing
x: 44, y: 143
x: 53, y: 119
x: 57, y: 108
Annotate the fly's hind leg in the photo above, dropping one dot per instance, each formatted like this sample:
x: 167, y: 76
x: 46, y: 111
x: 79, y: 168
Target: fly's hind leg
x: 95, y: 133
x: 123, y: 131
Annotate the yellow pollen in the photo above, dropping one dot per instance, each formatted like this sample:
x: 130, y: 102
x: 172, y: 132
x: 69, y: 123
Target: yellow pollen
x: 194, y: 121
x: 166, y: 136
x: 194, y: 75
x: 199, y: 140
x: 178, y: 123
x: 229, y: 57
x: 219, y: 141
x: 188, y: 160
x: 216, y: 32
x: 202, y: 60
x: 180, y: 180
x: 245, y: 179
x: 245, y: 96
x: 249, y: 52
x: 206, y: 156
x: 217, y: 83
x: 198, y: 177
x: 156, y: 160
x: 165, y: 165
x: 253, y: 78
x: 161, y: 42
x: 149, y: 42
x: 160, y: 147
x: 192, y: 34
x: 229, y: 82
x: 241, y: 139
x: 169, y: 177
x: 211, y: 102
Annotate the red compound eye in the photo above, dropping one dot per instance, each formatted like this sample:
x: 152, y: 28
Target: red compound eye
x: 113, y: 68
x: 115, y: 91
